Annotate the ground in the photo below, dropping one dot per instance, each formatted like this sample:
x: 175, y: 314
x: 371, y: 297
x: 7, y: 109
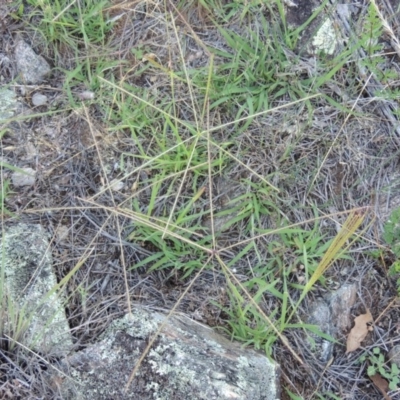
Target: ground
x: 206, y: 153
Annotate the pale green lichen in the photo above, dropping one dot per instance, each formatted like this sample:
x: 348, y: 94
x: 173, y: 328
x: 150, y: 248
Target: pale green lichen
x: 8, y: 104
x: 186, y: 361
x: 325, y: 39
x: 31, y: 287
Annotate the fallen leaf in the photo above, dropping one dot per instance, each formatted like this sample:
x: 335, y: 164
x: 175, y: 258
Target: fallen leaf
x: 359, y: 332
x: 381, y: 384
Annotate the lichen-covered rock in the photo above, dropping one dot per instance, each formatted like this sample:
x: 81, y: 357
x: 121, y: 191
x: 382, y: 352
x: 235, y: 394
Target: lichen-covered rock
x: 8, y: 104
x: 331, y: 315
x: 320, y: 315
x: 32, y: 67
x: 35, y: 312
x: 186, y: 361
x: 318, y: 34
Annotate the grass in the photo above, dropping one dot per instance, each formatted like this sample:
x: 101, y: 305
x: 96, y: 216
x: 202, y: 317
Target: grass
x: 226, y: 147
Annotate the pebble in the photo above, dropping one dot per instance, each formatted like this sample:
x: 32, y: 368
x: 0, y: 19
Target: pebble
x: 39, y: 99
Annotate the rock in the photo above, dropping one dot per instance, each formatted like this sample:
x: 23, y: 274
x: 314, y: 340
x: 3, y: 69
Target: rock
x: 25, y: 178
x: 320, y: 315
x: 187, y: 361
x: 29, y: 278
x: 8, y: 104
x: 32, y: 67
x: 341, y: 301
x: 332, y: 316
x: 39, y: 99
x: 394, y: 355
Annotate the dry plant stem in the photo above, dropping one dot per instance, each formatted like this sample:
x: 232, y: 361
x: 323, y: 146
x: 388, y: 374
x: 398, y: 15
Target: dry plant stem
x: 270, y: 323
x: 351, y: 224
x: 151, y: 105
x: 210, y: 188
x: 384, y: 311
x: 197, y: 128
x: 389, y: 31
x: 319, y: 383
x: 113, y: 201
x: 206, y: 105
x: 203, y: 133
x: 161, y: 327
x: 82, y: 259
x: 125, y: 213
x: 195, y: 37
x: 137, y: 217
x: 243, y: 165
x: 286, y: 105
x: 63, y: 11
x: 38, y: 356
x: 115, y: 239
x: 155, y: 182
x: 307, y: 221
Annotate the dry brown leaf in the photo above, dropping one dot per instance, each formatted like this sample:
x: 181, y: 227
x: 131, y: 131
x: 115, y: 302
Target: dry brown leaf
x: 381, y: 384
x: 359, y: 332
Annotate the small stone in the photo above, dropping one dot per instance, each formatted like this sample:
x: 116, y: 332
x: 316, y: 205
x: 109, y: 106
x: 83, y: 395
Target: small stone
x: 32, y: 67
x: 86, y: 95
x: 116, y: 185
x: 25, y: 178
x: 39, y: 99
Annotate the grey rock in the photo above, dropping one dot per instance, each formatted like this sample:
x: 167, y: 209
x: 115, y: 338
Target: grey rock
x: 30, y: 284
x: 320, y: 315
x: 32, y: 67
x: 340, y: 302
x: 332, y: 316
x: 26, y: 177
x: 39, y: 99
x: 186, y: 361
x: 394, y: 355
x: 8, y: 104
